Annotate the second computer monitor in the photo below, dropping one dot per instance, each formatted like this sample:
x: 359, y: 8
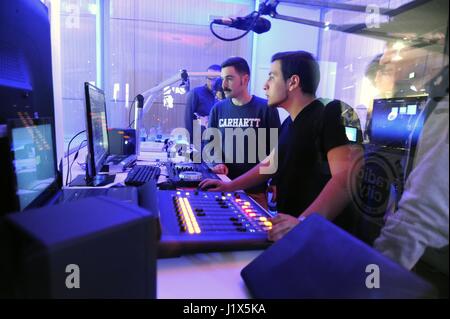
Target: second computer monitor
x: 393, y: 121
x: 97, y: 133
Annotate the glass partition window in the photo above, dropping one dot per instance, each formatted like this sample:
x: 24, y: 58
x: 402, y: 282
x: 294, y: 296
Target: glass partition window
x: 391, y: 57
x: 152, y: 41
x: 78, y: 62
x: 144, y: 43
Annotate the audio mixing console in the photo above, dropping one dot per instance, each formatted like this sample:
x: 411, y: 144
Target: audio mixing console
x: 198, y: 221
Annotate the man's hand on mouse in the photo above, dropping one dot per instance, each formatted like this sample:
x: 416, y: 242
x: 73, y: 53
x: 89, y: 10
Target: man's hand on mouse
x: 214, y: 185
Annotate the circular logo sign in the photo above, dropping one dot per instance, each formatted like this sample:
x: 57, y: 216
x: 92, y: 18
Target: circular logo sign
x: 370, y: 186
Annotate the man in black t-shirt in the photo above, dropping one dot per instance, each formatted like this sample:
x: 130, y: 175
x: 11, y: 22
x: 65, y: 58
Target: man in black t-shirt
x: 315, y: 156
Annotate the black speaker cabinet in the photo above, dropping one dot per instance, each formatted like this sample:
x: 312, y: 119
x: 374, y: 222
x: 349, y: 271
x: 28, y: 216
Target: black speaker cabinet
x: 317, y: 259
x: 97, y: 247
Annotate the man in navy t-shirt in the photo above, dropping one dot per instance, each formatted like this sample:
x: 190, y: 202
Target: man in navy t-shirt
x: 200, y: 100
x: 244, y: 122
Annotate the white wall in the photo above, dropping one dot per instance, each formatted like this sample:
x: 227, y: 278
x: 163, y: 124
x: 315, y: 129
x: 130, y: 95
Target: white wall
x: 283, y: 36
x: 54, y: 9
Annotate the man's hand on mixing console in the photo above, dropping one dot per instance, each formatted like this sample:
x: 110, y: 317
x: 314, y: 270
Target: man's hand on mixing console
x: 214, y: 185
x: 281, y: 225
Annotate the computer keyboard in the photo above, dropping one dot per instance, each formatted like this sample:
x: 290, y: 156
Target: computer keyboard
x: 141, y: 174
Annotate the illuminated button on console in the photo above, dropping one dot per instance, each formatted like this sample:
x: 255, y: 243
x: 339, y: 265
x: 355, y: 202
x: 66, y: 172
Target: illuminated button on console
x: 220, y: 212
x: 186, y: 215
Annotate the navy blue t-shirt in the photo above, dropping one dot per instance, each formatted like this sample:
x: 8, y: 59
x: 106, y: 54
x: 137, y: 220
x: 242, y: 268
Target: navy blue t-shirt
x: 200, y: 100
x: 242, y: 154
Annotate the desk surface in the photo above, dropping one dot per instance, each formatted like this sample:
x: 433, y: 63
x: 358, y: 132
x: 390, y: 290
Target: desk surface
x: 204, y: 276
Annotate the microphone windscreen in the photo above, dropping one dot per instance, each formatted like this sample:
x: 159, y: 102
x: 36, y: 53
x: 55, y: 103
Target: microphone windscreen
x: 262, y: 25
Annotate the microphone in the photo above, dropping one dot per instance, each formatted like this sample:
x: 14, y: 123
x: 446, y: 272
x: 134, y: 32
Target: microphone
x: 185, y: 82
x: 140, y: 101
x: 244, y: 23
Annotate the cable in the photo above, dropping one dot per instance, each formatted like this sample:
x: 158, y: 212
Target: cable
x: 257, y: 15
x: 73, y: 161
x: 68, y: 150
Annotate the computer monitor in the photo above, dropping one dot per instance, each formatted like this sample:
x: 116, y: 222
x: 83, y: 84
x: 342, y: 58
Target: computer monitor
x: 97, y: 136
x: 33, y: 162
x: 393, y: 121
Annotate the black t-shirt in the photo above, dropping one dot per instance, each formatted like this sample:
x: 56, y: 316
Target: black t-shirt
x: 256, y: 115
x: 303, y: 146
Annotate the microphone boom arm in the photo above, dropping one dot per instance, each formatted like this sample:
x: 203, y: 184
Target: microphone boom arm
x: 150, y: 95
x: 269, y: 7
x: 183, y: 76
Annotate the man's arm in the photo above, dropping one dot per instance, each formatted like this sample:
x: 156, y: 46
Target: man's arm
x: 253, y: 177
x: 344, y: 164
x: 343, y: 159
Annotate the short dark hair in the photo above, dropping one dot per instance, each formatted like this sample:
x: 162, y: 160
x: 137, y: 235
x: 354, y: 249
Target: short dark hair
x: 218, y: 85
x: 304, y: 65
x: 214, y: 67
x: 238, y: 63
